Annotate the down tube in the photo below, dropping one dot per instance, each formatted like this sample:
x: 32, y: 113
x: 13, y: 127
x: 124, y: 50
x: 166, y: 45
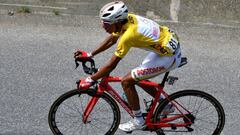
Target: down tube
x: 116, y: 96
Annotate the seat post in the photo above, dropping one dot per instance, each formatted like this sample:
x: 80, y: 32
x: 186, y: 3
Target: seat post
x: 164, y: 79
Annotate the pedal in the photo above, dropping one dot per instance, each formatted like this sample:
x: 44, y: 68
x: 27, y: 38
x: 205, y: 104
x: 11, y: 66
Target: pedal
x: 145, y: 128
x: 171, y: 80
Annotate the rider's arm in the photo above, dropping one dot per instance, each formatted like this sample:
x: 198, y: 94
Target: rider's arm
x: 107, y: 68
x: 108, y: 42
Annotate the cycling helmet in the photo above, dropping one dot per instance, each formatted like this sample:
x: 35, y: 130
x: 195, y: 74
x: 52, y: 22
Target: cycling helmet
x: 114, y: 12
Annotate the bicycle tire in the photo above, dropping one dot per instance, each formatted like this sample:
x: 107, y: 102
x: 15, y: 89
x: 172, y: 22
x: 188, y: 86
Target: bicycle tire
x: 195, y: 116
x: 62, y: 108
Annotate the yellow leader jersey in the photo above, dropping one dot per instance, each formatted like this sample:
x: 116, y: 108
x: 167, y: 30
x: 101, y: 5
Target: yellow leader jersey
x: 146, y: 34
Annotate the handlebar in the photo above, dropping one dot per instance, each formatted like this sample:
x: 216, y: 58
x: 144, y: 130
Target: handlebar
x: 85, y: 60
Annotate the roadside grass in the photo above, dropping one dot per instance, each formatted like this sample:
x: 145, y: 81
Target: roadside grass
x: 24, y: 10
x: 56, y: 12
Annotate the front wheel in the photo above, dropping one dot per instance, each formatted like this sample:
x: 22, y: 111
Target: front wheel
x: 65, y: 115
x: 202, y: 110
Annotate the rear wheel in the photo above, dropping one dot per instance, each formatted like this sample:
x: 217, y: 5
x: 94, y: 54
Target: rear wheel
x: 205, y: 113
x: 65, y: 115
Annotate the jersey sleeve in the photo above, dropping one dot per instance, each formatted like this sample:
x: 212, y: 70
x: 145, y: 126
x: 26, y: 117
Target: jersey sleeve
x: 124, y: 45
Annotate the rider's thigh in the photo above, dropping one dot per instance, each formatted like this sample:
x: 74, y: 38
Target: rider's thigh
x: 155, y: 64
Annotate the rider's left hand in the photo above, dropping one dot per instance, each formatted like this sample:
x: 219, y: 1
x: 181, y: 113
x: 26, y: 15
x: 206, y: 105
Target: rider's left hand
x: 86, y: 83
x: 82, y: 54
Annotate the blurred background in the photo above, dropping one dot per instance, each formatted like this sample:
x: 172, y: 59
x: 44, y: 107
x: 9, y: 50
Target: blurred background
x: 205, y: 11
x: 38, y: 38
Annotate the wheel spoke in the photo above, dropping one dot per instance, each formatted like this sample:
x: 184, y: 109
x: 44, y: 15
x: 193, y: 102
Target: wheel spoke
x: 66, y: 115
x: 208, y: 116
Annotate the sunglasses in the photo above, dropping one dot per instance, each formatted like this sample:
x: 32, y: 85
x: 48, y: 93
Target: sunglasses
x: 106, y: 24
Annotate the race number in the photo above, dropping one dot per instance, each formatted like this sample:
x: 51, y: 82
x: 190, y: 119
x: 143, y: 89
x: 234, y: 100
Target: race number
x: 172, y: 45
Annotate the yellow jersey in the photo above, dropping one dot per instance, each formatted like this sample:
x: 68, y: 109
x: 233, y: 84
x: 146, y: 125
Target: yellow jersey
x: 146, y: 34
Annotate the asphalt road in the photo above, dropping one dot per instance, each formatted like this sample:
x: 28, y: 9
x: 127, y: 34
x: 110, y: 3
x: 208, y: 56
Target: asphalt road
x: 36, y: 66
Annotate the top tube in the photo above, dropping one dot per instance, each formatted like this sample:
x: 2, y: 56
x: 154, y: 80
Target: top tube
x: 143, y: 82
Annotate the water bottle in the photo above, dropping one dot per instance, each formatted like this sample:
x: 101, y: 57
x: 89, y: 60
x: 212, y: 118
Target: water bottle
x: 161, y: 98
x: 124, y: 97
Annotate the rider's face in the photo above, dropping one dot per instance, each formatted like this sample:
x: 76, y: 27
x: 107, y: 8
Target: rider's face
x: 110, y: 28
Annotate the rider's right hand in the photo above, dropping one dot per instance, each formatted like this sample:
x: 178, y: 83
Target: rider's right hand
x: 85, y: 83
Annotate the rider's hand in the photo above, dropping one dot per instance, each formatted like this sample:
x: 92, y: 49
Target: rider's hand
x: 82, y: 54
x: 86, y: 83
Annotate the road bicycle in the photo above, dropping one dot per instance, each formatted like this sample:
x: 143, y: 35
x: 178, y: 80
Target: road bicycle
x: 95, y: 111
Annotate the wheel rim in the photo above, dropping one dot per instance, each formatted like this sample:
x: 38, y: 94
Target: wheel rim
x: 206, y: 115
x: 67, y: 116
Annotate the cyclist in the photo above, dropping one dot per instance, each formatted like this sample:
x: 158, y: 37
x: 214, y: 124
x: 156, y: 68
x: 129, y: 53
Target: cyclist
x: 134, y: 31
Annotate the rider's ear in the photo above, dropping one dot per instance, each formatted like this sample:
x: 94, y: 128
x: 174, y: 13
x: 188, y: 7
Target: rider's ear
x: 118, y: 26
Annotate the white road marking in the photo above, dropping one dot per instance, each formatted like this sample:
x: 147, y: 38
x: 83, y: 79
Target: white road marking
x: 199, y: 23
x: 34, y: 6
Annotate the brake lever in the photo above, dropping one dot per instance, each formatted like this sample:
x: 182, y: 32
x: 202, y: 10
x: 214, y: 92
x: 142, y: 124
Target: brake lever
x: 77, y: 64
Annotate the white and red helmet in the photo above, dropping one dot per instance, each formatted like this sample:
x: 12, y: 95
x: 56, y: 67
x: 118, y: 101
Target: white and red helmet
x: 114, y: 12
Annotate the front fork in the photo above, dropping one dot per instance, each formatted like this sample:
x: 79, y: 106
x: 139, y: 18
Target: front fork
x: 95, y: 93
x: 89, y: 109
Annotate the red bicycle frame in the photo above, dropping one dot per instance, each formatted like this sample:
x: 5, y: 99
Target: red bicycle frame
x: 104, y: 86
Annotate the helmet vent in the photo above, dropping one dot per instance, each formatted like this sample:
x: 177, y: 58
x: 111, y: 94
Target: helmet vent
x: 123, y: 6
x: 125, y: 11
x: 107, y: 14
x: 111, y: 9
x: 118, y: 16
